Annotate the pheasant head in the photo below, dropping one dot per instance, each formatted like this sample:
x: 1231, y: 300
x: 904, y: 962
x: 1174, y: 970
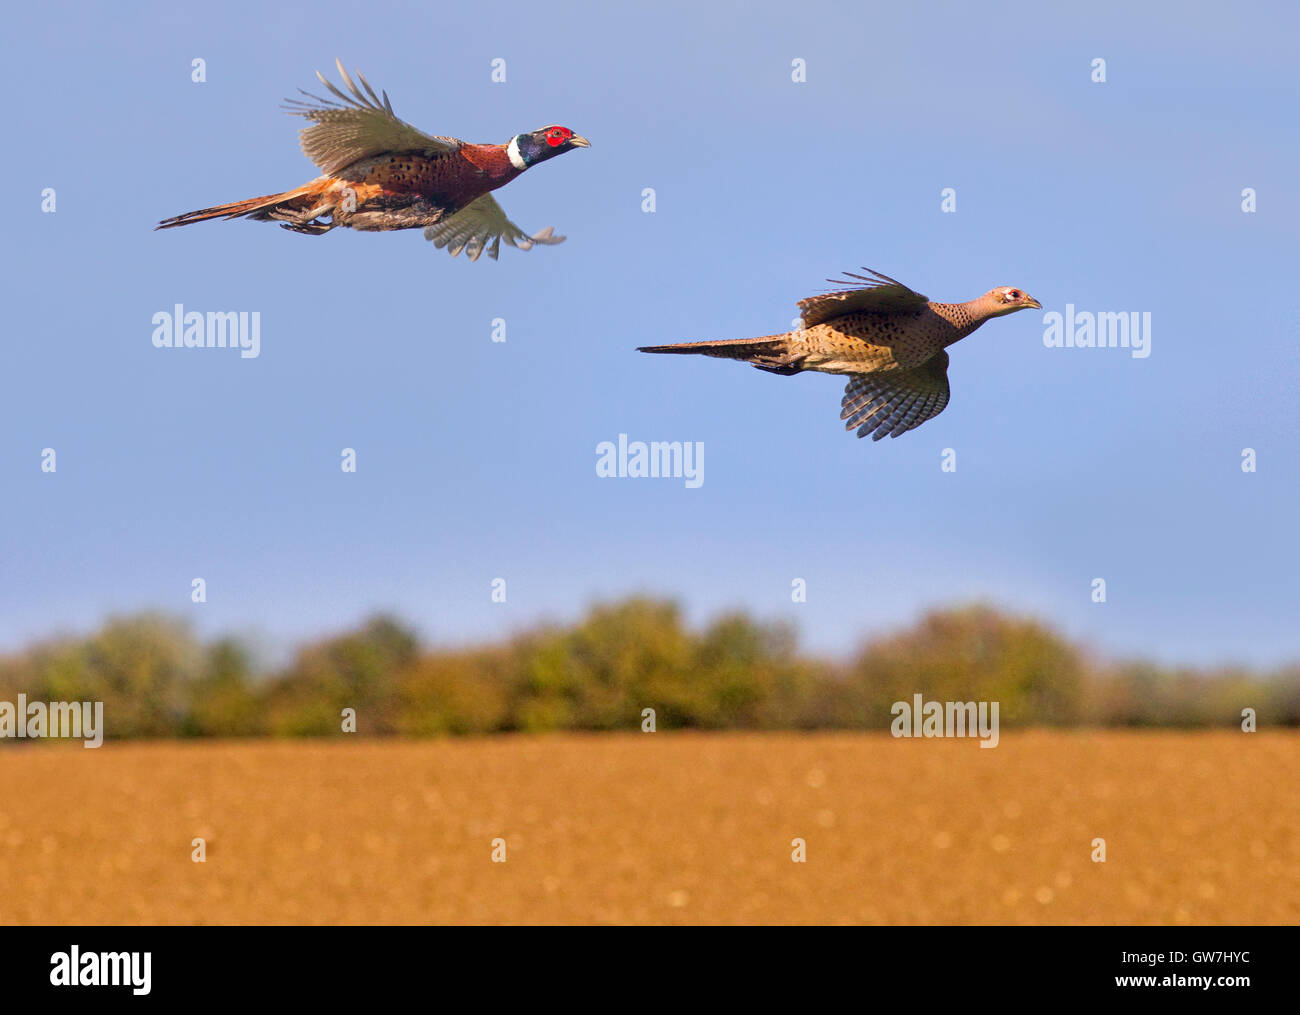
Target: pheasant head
x: 1005, y: 300
x: 529, y: 149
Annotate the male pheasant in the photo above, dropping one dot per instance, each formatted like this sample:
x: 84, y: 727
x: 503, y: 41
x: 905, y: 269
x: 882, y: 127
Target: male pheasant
x: 889, y: 339
x: 381, y: 173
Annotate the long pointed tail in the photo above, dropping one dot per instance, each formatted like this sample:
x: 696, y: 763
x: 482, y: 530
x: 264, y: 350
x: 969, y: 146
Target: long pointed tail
x: 286, y: 205
x: 771, y: 352
x: 727, y: 348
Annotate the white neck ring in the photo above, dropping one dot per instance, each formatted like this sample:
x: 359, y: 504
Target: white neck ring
x: 516, y: 160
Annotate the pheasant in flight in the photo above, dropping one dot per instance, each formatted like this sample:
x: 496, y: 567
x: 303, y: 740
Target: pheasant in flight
x: 381, y: 173
x: 889, y: 340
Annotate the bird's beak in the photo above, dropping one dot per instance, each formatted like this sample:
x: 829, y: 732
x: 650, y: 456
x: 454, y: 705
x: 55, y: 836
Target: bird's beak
x: 1031, y: 302
x: 578, y: 141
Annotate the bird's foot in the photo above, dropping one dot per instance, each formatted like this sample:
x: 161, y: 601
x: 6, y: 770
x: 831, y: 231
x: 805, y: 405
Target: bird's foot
x: 312, y: 228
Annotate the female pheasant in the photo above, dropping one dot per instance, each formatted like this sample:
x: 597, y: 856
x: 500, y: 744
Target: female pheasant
x: 381, y: 173
x: 889, y: 339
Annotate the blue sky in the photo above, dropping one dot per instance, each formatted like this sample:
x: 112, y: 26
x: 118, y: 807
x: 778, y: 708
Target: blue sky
x: 476, y: 459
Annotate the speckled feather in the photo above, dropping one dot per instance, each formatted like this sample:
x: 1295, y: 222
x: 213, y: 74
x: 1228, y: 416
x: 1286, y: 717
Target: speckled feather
x: 888, y: 338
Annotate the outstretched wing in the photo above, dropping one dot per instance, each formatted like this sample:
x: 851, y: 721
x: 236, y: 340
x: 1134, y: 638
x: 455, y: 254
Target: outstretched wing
x: 359, y: 126
x: 892, y: 402
x: 482, y: 225
x: 881, y: 295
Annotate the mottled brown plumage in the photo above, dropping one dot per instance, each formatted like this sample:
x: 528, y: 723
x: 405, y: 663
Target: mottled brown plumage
x: 889, y: 339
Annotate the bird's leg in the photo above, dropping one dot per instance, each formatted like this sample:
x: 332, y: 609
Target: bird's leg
x: 784, y: 362
x: 311, y: 228
x: 305, y: 221
x: 324, y: 208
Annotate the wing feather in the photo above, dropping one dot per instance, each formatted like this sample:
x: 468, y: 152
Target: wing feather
x: 482, y: 225
x: 358, y: 126
x: 891, y: 402
x: 881, y: 295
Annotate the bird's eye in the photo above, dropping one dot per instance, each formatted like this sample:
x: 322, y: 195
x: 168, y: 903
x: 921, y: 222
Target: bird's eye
x: 556, y: 136
x: 1013, y: 294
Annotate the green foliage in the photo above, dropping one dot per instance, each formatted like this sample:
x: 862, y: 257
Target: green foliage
x: 620, y: 659
x: 974, y: 654
x: 455, y: 693
x: 223, y: 701
x: 139, y: 667
x: 360, y: 671
x: 156, y: 680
